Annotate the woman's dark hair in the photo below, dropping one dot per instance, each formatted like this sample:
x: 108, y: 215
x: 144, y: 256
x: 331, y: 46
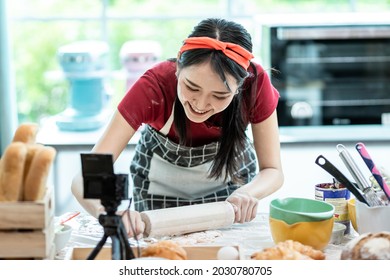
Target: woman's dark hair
x: 235, y: 119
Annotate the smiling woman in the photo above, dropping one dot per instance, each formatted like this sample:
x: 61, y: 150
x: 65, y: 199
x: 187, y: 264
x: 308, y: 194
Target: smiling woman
x: 203, y: 94
x: 194, y: 111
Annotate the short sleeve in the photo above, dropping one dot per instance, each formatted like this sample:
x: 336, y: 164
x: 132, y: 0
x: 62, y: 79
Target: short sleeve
x: 267, y: 97
x: 150, y: 98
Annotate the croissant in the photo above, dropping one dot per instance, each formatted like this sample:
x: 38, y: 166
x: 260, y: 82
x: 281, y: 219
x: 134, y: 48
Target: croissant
x: 165, y: 249
x: 289, y: 250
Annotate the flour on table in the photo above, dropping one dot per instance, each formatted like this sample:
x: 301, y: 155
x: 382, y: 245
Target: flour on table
x: 207, y: 236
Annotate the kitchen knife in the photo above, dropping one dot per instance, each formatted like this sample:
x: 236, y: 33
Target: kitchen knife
x: 362, y: 150
x: 332, y: 170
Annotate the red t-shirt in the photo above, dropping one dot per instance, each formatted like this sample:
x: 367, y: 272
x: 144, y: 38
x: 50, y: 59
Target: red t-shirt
x: 150, y: 101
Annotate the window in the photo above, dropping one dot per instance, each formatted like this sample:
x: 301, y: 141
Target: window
x: 39, y: 28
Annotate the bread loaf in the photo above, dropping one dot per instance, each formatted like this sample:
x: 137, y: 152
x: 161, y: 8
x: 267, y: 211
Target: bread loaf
x: 368, y: 246
x: 11, y: 171
x: 36, y: 179
x: 165, y: 249
x: 26, y: 133
x: 31, y: 150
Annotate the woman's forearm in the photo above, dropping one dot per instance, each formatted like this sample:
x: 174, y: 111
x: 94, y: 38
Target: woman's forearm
x: 92, y: 206
x: 264, y: 183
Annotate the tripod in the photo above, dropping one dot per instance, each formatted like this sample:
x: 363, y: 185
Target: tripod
x: 113, y: 228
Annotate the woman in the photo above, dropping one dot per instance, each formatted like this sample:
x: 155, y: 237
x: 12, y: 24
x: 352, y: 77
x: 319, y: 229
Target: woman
x: 196, y: 109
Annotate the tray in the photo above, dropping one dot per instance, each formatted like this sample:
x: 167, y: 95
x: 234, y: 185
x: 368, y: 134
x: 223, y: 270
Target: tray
x: 206, y: 252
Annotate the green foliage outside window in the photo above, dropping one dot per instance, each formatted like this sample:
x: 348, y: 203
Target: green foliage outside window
x: 39, y: 28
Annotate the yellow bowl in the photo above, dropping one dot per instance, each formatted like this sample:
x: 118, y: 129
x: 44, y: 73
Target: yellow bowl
x: 352, y: 213
x: 315, y: 234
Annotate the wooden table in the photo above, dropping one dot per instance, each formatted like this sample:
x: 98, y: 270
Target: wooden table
x: 250, y: 237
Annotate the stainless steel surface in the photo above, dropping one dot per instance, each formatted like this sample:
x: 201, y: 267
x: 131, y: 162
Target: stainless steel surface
x: 371, y: 197
x: 326, y: 33
x: 339, y: 69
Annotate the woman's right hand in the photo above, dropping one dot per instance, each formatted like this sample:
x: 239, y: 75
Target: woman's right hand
x: 133, y: 223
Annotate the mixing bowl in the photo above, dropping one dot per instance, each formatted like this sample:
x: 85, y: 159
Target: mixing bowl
x: 293, y: 210
x: 352, y: 213
x: 316, y: 234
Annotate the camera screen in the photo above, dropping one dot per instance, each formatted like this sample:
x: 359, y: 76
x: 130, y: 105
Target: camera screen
x: 93, y: 188
x: 97, y: 164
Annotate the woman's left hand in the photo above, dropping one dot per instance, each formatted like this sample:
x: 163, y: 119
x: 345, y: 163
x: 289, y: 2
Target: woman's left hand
x: 245, y: 206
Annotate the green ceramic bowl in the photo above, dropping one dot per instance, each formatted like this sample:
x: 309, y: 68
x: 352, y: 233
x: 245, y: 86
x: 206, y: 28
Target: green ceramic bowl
x: 294, y: 210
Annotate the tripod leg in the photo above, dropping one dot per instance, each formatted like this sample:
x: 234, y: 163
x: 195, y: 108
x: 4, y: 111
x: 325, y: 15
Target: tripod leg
x: 127, y: 251
x: 116, y: 253
x: 97, y: 249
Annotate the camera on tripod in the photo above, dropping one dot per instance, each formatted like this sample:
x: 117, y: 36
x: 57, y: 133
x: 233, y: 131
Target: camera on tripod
x: 101, y: 182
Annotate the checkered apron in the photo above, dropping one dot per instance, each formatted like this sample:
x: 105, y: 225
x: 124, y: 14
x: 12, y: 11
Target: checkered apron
x: 166, y: 174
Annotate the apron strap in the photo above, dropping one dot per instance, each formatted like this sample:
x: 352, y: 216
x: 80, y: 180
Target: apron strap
x: 167, y: 126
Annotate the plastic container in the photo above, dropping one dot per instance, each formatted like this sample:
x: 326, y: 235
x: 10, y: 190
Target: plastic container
x: 338, y: 233
x: 372, y: 219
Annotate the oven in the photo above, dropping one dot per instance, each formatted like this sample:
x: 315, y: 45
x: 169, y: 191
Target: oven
x: 329, y: 74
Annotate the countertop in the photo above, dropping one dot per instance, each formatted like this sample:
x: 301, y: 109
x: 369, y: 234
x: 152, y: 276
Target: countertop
x: 50, y: 134
x: 250, y: 237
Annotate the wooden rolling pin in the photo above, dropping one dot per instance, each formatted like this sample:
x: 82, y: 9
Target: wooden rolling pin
x: 186, y: 219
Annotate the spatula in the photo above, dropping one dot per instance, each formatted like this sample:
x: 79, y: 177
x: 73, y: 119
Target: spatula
x: 332, y: 170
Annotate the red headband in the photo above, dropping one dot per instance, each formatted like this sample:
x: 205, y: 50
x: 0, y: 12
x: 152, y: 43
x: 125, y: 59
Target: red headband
x: 233, y: 51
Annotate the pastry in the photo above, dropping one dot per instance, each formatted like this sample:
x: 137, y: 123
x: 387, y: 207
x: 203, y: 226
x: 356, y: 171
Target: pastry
x: 26, y: 133
x: 11, y: 172
x: 165, y: 249
x: 289, y: 250
x: 368, y: 246
x: 35, y: 181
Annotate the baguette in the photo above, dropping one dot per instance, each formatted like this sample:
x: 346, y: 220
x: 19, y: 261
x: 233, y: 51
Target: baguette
x: 36, y: 179
x: 11, y: 171
x: 26, y: 133
x: 31, y: 151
